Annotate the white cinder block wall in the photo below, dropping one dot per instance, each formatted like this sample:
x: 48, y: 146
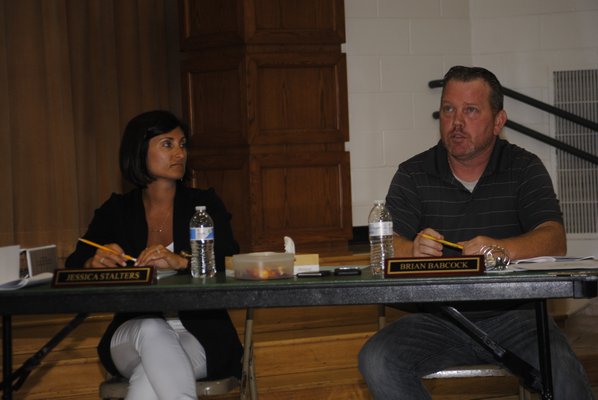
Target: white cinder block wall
x: 395, y: 47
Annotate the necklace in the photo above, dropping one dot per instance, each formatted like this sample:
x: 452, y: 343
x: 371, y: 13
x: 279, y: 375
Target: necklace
x: 161, y: 226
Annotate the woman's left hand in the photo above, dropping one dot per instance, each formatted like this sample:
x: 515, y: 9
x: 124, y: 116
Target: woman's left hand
x: 160, y: 257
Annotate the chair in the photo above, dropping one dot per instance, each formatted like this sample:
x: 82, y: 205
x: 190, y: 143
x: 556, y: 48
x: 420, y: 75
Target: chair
x: 478, y: 371
x: 468, y: 371
x: 115, y: 388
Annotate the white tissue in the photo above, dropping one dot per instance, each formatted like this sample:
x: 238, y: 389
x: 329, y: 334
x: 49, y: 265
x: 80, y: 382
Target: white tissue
x: 289, y: 245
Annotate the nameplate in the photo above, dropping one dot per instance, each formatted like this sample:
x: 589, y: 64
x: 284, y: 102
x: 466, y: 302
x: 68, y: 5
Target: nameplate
x: 434, y: 266
x: 103, y: 277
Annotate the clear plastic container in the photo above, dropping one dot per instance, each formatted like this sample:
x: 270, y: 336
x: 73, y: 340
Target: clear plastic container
x: 263, y: 265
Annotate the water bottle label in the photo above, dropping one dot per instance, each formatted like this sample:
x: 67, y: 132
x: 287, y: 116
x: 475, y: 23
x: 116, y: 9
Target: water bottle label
x: 202, y: 233
x: 382, y: 228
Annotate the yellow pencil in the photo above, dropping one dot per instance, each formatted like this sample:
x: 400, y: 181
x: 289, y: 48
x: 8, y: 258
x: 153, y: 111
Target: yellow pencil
x: 445, y: 242
x: 99, y: 246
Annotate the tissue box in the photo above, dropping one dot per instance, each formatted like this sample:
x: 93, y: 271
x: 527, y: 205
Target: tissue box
x: 306, y: 263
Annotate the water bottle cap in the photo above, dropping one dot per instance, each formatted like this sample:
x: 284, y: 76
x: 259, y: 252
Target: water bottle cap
x: 200, y: 208
x: 379, y: 201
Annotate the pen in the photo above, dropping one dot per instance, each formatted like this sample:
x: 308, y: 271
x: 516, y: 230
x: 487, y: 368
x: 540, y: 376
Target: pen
x: 99, y: 246
x: 447, y: 243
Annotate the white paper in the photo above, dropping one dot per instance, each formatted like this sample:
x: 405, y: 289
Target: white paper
x: 544, y: 259
x: 590, y: 264
x: 165, y: 273
x: 38, y: 279
x: 14, y: 285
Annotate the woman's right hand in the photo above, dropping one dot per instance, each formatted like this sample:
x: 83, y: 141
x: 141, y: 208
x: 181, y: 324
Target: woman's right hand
x: 107, y: 259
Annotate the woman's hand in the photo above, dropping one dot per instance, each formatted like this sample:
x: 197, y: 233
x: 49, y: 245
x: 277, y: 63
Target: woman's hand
x: 160, y: 257
x: 106, y: 259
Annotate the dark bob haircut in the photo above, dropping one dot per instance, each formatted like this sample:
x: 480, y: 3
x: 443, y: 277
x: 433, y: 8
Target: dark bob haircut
x: 134, y: 143
x: 467, y: 74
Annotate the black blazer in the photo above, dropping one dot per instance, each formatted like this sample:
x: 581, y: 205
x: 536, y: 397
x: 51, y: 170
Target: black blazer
x: 121, y: 219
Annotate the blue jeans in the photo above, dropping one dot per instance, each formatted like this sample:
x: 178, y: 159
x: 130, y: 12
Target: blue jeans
x: 394, y: 359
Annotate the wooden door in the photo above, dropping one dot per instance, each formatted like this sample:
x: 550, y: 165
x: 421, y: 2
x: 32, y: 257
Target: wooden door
x: 265, y: 91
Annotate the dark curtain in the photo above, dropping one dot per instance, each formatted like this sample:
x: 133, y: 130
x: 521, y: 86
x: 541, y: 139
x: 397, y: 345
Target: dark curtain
x: 72, y: 73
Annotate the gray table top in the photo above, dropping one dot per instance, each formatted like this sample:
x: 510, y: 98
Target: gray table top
x: 181, y: 292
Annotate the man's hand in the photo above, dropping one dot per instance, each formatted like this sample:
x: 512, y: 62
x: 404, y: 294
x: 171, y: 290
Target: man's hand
x: 475, y: 245
x: 420, y: 246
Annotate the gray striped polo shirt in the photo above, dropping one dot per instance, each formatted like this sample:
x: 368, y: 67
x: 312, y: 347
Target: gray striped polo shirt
x: 513, y: 196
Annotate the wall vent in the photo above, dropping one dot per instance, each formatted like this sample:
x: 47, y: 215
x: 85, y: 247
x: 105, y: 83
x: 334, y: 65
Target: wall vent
x: 577, y: 92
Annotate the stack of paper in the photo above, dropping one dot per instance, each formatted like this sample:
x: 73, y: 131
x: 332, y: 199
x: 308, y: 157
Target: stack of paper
x: 10, y: 270
x: 9, y: 263
x: 38, y: 279
x: 554, y: 263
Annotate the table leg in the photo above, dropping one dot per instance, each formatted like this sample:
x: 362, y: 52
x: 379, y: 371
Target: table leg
x: 6, y: 357
x: 248, y: 384
x: 544, y: 349
x: 529, y: 375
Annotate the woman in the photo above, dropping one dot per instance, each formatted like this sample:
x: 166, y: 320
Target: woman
x: 161, y: 356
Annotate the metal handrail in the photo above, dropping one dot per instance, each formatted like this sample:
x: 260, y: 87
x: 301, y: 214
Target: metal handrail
x: 537, y: 104
x: 535, y: 134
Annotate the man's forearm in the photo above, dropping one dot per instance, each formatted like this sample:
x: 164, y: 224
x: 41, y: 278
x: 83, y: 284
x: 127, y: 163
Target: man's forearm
x: 547, y: 239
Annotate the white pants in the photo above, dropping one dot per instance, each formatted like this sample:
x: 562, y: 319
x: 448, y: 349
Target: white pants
x: 162, y: 360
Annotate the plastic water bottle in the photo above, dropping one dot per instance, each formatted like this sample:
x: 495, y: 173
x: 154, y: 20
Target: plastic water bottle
x: 201, y: 234
x: 380, y: 230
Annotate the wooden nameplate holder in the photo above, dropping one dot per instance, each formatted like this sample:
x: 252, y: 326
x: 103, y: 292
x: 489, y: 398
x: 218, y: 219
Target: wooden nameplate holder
x: 434, y: 266
x: 103, y: 277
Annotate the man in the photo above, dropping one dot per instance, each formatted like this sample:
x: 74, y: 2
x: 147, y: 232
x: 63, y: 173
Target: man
x: 478, y: 190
